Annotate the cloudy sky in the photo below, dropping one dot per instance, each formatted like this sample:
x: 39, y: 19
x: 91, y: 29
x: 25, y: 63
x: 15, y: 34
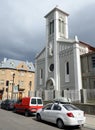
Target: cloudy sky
x: 22, y: 25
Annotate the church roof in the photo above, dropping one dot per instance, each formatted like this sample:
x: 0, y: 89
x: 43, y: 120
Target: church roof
x: 40, y: 52
x: 56, y: 9
x: 80, y: 42
x: 87, y: 44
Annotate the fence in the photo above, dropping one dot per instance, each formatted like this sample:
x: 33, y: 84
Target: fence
x: 83, y: 96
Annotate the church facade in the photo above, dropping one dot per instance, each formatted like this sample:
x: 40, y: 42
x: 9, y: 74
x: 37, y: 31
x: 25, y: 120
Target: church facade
x: 58, y: 65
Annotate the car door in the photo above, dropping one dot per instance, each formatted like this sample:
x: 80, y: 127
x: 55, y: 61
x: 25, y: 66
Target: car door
x: 55, y: 113
x: 45, y: 112
x: 18, y: 106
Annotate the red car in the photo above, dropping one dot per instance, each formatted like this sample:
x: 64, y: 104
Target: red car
x: 28, y: 105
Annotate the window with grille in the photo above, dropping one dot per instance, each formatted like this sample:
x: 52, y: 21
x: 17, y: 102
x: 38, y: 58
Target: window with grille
x: 93, y: 61
x: 61, y: 26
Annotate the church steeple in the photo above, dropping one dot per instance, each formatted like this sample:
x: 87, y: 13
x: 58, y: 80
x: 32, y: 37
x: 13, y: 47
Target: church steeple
x: 57, y: 23
x: 56, y: 28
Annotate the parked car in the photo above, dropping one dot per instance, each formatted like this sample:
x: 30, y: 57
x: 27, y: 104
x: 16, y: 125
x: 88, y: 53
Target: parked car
x: 8, y: 104
x: 0, y: 103
x: 61, y: 114
x: 28, y: 105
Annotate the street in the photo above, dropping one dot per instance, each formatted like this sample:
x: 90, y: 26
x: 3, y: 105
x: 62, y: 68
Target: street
x: 14, y: 121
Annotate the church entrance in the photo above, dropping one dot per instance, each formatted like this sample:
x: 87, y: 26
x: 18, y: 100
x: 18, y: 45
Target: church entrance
x: 50, y: 84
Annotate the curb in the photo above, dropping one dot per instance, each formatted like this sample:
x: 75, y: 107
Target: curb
x: 90, y: 119
x: 92, y: 127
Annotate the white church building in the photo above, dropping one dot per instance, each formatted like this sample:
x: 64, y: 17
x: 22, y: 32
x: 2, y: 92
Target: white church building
x: 58, y: 65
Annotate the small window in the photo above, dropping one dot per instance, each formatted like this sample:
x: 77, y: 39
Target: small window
x: 2, y: 72
x: 30, y: 83
x: 93, y: 61
x: 67, y: 67
x: 41, y: 73
x: 33, y: 101
x: 51, y: 27
x: 11, y: 82
x: 51, y: 67
x: 56, y: 107
x: 21, y: 83
x: 22, y: 66
x: 94, y: 84
x: 1, y: 82
x: 48, y: 107
x: 21, y: 73
x: 39, y: 101
x: 61, y: 26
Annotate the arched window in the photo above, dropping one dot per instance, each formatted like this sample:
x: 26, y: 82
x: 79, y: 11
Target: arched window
x: 61, y: 26
x: 67, y: 72
x: 51, y: 27
x: 41, y: 73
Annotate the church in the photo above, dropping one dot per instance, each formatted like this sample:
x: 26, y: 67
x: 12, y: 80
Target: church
x: 58, y: 65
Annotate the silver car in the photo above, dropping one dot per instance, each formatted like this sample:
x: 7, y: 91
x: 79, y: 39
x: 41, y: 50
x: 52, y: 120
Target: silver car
x: 61, y: 114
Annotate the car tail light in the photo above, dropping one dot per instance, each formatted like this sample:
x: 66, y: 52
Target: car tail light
x: 70, y: 114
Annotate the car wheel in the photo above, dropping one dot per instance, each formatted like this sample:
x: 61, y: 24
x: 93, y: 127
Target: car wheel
x: 7, y: 108
x: 38, y: 117
x: 26, y: 113
x: 60, y: 123
x: 14, y: 110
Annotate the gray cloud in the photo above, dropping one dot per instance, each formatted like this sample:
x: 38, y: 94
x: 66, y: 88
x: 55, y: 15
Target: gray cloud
x: 22, y: 26
x: 19, y: 38
x: 82, y: 24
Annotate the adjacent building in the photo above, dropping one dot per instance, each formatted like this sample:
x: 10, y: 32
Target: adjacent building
x: 16, y: 79
x: 88, y: 70
x: 58, y: 65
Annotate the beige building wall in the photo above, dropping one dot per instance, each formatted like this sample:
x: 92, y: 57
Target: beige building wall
x: 20, y: 78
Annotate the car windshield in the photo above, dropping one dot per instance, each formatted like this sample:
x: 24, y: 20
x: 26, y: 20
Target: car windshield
x: 70, y: 107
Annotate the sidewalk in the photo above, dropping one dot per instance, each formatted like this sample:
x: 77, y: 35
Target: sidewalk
x: 90, y: 121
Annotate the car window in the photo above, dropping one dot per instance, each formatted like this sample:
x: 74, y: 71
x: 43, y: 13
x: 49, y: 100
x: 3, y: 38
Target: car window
x: 39, y: 101
x: 56, y: 107
x: 7, y: 101
x: 70, y: 107
x: 48, y: 107
x: 33, y: 101
x: 19, y: 101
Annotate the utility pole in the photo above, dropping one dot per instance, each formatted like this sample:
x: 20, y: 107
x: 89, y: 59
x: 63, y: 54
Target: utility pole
x: 13, y: 85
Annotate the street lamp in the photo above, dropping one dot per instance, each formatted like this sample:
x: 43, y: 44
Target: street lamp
x: 13, y: 85
x: 30, y: 84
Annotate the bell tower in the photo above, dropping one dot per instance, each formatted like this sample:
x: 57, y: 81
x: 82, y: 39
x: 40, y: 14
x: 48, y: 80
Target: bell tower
x: 56, y: 29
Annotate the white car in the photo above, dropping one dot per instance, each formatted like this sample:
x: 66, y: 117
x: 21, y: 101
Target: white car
x: 61, y: 114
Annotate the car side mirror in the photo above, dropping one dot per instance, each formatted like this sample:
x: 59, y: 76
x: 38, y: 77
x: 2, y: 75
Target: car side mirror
x: 42, y: 109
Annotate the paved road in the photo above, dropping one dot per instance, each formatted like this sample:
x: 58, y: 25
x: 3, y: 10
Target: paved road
x: 13, y: 121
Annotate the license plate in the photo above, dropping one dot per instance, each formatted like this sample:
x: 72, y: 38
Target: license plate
x: 79, y: 121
